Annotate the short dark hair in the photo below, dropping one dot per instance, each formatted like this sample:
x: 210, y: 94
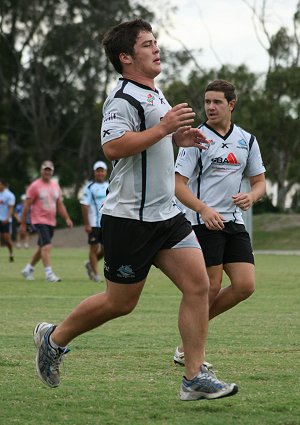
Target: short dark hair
x: 121, y: 39
x: 3, y: 181
x: 223, y: 86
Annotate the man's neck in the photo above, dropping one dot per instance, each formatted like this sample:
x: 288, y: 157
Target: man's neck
x: 221, y: 128
x: 149, y: 82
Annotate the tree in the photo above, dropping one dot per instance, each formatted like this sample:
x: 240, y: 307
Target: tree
x: 53, y: 78
x: 278, y: 123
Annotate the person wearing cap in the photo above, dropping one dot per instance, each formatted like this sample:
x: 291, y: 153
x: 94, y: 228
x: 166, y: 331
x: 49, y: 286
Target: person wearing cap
x: 91, y: 202
x: 22, y: 237
x: 7, y: 202
x: 44, y: 200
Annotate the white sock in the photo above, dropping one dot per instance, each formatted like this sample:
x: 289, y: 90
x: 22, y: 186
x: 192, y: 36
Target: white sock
x: 53, y: 345
x: 48, y: 270
x: 28, y: 268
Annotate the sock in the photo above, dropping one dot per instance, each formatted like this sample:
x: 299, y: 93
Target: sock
x: 54, y: 345
x: 48, y: 270
x: 28, y: 268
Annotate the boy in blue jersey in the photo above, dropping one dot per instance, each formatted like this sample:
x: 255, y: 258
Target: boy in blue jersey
x: 7, y: 202
x: 91, y: 202
x: 141, y: 223
x: 209, y: 183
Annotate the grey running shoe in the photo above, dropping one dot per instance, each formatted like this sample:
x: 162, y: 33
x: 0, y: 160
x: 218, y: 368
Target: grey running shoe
x: 48, y: 359
x: 89, y: 270
x: 27, y: 274
x: 205, y: 386
x: 179, y: 359
x: 51, y: 277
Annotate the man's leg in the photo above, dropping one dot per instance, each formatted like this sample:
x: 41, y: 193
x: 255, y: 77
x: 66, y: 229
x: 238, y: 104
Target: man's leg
x: 118, y: 300
x: 242, y: 285
x: 51, y: 341
x: 186, y: 268
x: 45, y: 254
x: 93, y: 257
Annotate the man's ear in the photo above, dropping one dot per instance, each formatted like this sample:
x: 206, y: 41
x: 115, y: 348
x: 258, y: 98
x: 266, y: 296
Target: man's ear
x: 125, y: 58
x: 232, y: 104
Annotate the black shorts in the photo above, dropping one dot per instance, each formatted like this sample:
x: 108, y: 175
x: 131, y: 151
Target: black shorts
x: 45, y: 234
x: 95, y: 237
x: 4, y: 227
x: 130, y: 246
x: 230, y: 245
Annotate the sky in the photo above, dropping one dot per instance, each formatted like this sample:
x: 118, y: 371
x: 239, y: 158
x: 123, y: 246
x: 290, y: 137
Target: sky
x: 225, y: 30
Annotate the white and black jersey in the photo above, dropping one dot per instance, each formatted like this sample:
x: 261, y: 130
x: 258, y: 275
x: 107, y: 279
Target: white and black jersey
x: 216, y: 174
x: 141, y: 186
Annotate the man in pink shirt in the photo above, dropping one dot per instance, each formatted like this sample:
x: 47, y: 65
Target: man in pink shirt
x: 45, y: 199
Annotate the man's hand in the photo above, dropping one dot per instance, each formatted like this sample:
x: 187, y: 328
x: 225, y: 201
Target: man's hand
x: 243, y: 200
x: 187, y: 137
x: 212, y: 219
x: 179, y: 116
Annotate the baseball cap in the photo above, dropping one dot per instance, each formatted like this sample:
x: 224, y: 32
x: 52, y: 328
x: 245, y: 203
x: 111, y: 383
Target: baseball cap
x: 47, y: 164
x: 99, y: 164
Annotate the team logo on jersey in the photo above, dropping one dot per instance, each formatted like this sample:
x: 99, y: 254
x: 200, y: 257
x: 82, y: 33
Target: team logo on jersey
x: 150, y: 98
x: 242, y: 144
x: 229, y: 160
x: 107, y: 132
x: 125, y: 271
x: 110, y: 116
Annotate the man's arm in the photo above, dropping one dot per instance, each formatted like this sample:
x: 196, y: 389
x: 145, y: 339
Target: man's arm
x: 62, y: 211
x: 258, y: 190
x: 27, y: 205
x: 132, y: 142
x: 85, y: 215
x: 212, y: 219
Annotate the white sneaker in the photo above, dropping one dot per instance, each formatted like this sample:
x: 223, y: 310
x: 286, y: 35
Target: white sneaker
x: 28, y: 274
x: 51, y: 277
x: 179, y: 359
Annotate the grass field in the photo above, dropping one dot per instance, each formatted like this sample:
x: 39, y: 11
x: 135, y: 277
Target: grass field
x: 122, y: 374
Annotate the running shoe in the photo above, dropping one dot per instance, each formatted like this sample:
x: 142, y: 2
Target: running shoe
x: 51, y: 277
x: 179, y: 359
x: 48, y: 359
x: 28, y: 274
x: 205, y: 386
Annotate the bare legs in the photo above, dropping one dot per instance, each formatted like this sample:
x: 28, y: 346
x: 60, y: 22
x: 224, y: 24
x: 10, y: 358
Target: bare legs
x: 183, y: 266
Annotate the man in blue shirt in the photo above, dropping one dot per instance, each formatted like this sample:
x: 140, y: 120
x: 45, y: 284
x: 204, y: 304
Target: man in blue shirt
x: 91, y: 202
x: 7, y: 202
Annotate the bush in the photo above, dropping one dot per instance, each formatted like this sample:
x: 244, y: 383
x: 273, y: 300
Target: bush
x: 265, y: 206
x: 74, y: 210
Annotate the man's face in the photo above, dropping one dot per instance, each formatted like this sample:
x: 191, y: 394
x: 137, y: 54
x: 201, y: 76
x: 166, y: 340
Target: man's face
x: 217, y: 109
x: 145, y: 59
x: 46, y: 173
x: 100, y: 175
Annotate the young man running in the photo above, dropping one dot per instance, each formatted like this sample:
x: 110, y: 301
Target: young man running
x: 208, y: 182
x: 141, y: 223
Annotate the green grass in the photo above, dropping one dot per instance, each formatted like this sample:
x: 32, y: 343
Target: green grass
x: 122, y: 373
x: 276, y: 231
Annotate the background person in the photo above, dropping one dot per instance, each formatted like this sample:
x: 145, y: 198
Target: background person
x: 7, y: 202
x: 92, y: 199
x: 209, y: 184
x: 44, y: 200
x: 141, y: 223
x: 22, y: 237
